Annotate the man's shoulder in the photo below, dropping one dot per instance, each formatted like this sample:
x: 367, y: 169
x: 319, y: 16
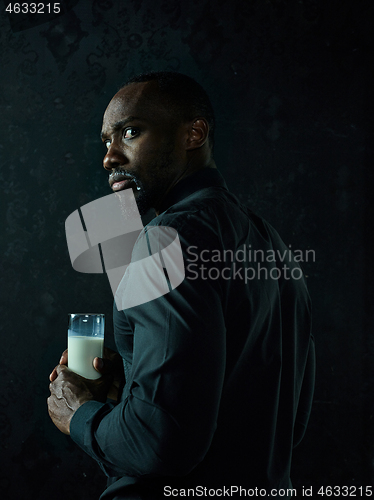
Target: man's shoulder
x: 207, y: 204
x: 213, y: 210
x: 199, y: 214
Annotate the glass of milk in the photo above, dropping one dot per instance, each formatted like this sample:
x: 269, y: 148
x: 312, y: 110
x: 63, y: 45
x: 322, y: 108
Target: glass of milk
x: 85, y: 342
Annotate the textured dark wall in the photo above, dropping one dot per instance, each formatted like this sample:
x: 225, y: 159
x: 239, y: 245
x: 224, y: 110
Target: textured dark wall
x: 291, y: 85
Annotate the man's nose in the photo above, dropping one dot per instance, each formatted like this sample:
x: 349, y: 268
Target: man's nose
x: 114, y: 158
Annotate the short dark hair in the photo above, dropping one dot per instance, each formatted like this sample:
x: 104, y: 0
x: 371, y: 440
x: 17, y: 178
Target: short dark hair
x: 187, y: 98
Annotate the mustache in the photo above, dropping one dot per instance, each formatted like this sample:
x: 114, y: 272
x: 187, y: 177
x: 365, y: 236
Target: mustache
x: 122, y: 174
x: 118, y: 175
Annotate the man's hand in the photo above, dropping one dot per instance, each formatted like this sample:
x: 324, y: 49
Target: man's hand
x: 69, y: 391
x: 110, y: 365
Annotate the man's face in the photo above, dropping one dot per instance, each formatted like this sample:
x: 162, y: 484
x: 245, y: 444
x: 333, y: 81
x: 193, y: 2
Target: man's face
x: 144, y: 142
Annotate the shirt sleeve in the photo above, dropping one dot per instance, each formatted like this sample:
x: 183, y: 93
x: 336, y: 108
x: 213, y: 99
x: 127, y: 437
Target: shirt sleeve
x: 306, y: 395
x: 167, y: 417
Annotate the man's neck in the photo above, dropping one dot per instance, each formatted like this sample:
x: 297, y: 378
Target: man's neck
x: 190, y: 168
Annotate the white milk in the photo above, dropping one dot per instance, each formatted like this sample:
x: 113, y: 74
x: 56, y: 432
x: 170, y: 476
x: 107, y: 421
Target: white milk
x: 81, y: 353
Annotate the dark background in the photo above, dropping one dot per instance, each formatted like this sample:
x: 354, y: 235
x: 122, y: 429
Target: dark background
x: 291, y: 82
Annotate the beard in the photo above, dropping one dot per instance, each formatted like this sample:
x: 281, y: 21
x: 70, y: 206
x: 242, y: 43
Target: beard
x: 150, y: 191
x: 143, y: 198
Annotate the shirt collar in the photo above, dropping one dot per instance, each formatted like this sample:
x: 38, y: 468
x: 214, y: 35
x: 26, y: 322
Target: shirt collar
x: 203, y: 178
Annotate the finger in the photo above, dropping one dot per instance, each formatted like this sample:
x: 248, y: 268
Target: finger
x: 98, y: 364
x: 52, y: 390
x: 49, y: 404
x: 102, y: 366
x: 64, y: 358
x: 61, y: 369
x: 53, y: 375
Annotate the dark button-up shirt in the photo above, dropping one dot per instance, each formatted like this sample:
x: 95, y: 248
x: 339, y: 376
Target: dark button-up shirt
x: 220, y: 371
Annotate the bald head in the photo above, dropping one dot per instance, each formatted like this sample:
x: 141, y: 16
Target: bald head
x: 181, y: 95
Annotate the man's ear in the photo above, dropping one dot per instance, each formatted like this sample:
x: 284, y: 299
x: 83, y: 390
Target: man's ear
x: 197, y: 134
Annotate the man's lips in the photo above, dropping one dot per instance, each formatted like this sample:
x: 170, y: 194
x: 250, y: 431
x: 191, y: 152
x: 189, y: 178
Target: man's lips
x: 119, y: 181
x: 119, y: 185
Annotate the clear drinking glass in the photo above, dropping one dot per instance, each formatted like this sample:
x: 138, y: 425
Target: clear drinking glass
x: 85, y: 342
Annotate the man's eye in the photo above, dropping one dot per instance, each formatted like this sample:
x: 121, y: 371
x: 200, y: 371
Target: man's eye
x: 130, y: 133
x: 107, y: 144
